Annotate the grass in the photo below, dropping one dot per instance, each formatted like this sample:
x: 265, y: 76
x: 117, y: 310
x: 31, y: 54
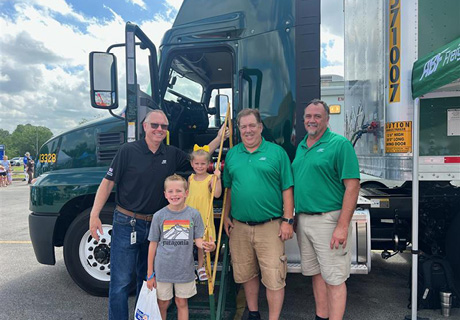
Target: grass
x: 18, y: 169
x: 18, y: 172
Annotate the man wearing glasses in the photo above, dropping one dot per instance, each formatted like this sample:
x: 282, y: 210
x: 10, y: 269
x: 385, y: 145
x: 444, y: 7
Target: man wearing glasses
x: 138, y: 171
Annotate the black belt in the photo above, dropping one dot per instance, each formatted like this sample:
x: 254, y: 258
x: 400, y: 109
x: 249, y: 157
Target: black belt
x: 252, y: 223
x: 311, y: 213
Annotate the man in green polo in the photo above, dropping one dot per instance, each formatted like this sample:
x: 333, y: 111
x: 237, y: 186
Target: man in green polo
x: 326, y: 180
x: 259, y: 178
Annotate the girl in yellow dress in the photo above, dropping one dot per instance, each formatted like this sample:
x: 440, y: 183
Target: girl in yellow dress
x: 199, y: 196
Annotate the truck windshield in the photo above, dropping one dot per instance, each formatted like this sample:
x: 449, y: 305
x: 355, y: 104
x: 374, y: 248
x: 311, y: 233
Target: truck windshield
x: 184, y: 86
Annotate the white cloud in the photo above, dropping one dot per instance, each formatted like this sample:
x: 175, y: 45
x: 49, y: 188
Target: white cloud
x: 140, y: 3
x: 44, y: 62
x: 332, y: 50
x: 174, y: 4
x: 332, y: 24
x: 59, y: 6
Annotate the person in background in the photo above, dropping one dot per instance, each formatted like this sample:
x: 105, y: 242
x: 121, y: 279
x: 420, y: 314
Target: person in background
x: 30, y: 170
x: 25, y: 160
x: 3, y: 177
x: 6, y: 164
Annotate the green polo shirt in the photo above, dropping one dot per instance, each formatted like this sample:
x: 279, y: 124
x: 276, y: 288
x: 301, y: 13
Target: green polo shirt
x: 257, y: 180
x: 319, y: 171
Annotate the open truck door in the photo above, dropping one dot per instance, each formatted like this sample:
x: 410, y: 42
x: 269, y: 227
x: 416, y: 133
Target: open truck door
x: 104, y: 81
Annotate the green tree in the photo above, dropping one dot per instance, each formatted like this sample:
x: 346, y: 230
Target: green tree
x: 29, y: 138
x: 5, y: 139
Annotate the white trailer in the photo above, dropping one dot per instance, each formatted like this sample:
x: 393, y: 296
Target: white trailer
x: 401, y: 132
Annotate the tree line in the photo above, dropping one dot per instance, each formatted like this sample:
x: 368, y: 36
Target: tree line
x: 25, y: 138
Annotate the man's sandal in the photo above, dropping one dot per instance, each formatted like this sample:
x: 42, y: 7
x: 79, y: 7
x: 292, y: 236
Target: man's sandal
x: 202, y: 274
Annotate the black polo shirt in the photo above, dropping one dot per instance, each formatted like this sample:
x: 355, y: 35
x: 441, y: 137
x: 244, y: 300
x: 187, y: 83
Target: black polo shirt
x: 139, y: 175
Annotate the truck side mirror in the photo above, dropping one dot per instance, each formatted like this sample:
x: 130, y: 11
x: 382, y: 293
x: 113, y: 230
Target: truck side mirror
x: 103, y: 80
x: 221, y: 108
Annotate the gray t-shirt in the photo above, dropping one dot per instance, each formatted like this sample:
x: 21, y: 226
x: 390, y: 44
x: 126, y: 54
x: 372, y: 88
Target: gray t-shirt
x: 175, y: 231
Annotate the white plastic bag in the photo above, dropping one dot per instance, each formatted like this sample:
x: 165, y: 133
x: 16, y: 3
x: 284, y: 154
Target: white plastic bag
x: 147, y: 305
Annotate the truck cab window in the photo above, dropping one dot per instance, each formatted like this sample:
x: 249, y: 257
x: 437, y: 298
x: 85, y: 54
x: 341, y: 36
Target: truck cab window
x: 179, y: 84
x: 78, y: 149
x: 213, y: 119
x: 190, y: 83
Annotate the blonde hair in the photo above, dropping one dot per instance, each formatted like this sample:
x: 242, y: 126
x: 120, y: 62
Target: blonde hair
x: 176, y: 177
x: 199, y: 153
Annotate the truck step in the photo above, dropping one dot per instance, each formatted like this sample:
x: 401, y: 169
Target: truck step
x: 294, y: 267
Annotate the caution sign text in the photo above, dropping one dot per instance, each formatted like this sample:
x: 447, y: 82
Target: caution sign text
x: 398, y: 137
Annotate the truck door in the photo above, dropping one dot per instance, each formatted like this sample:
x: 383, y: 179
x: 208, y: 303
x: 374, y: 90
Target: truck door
x: 104, y: 81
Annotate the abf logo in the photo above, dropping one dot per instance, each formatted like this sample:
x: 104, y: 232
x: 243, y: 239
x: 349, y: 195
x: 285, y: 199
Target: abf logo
x: 263, y: 159
x: 431, y: 65
x: 141, y: 316
x: 163, y: 162
x: 320, y: 150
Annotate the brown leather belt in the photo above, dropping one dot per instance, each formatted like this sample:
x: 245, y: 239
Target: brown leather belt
x: 140, y: 216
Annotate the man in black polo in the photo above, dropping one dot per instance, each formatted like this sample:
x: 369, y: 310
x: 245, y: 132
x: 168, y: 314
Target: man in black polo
x: 138, y: 170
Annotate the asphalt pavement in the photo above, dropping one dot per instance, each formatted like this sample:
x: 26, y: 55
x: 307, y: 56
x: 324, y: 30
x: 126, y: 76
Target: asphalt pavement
x: 29, y: 290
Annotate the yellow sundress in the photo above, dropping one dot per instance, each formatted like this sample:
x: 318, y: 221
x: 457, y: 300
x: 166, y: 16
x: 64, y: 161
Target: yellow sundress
x: 199, y: 198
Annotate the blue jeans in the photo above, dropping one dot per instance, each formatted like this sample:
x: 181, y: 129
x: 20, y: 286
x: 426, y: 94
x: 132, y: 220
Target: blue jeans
x: 125, y: 261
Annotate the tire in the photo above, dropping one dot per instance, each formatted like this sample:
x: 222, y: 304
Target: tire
x: 372, y: 185
x: 86, y: 260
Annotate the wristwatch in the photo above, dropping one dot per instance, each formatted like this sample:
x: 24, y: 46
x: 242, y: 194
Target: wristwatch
x: 290, y: 221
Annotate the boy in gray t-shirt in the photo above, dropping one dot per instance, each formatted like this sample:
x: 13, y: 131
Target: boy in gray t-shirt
x: 170, y: 262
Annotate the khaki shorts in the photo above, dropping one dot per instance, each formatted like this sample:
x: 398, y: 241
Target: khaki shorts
x: 257, y: 249
x: 314, y: 233
x: 182, y: 290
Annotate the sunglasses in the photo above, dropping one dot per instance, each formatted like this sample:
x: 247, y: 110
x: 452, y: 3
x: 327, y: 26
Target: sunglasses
x: 157, y: 125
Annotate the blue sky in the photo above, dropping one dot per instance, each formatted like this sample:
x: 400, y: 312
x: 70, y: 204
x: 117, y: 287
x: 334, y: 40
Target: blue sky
x: 44, y: 47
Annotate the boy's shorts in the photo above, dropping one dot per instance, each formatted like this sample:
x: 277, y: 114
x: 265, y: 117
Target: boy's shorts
x: 181, y: 290
x: 314, y: 233
x: 257, y: 249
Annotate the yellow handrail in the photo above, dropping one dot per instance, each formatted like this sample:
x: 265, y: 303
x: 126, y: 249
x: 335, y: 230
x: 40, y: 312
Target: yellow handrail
x: 212, y: 277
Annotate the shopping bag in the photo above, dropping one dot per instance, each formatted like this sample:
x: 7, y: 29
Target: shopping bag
x: 147, y: 305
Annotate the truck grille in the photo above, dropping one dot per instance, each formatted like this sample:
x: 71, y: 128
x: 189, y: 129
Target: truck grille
x: 109, y: 139
x: 107, y: 145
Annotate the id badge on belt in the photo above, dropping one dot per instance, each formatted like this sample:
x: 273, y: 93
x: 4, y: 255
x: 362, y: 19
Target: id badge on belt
x: 133, y: 233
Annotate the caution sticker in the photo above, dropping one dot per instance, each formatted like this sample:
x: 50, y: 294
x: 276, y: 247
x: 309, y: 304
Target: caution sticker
x: 398, y: 137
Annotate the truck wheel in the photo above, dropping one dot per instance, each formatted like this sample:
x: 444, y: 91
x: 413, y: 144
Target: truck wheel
x: 372, y: 185
x: 88, y: 260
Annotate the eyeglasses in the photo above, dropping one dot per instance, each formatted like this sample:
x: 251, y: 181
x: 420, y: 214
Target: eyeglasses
x: 157, y: 125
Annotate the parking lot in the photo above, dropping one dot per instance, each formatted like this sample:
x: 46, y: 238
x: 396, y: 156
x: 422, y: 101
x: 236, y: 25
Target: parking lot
x: 29, y: 290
